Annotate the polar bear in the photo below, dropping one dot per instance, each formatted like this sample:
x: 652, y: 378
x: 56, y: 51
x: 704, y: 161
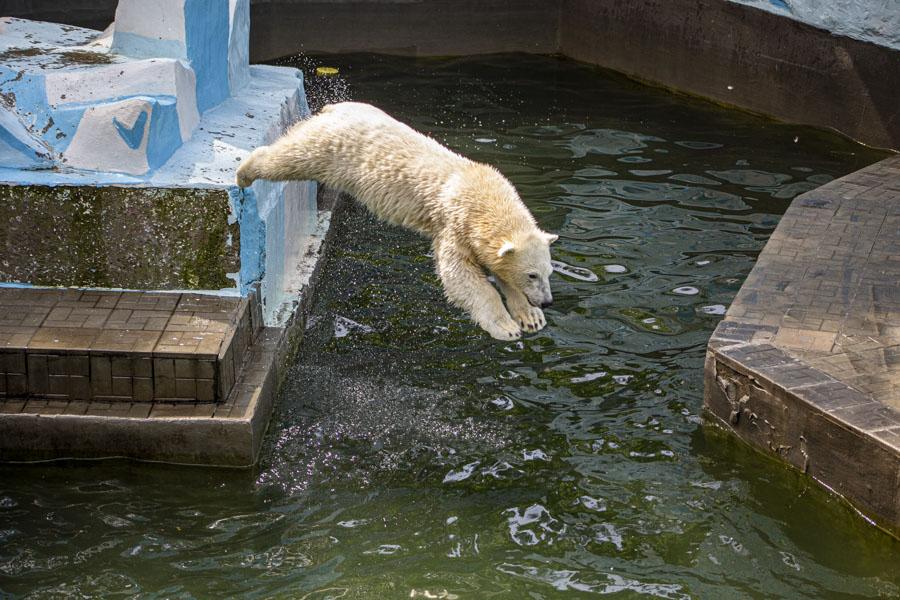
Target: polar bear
x: 473, y: 215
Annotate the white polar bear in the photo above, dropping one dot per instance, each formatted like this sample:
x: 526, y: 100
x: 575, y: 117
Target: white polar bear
x: 475, y: 218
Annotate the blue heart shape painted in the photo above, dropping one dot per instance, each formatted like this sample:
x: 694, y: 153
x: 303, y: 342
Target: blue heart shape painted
x: 135, y: 134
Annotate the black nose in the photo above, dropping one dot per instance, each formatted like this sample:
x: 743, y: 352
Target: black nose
x: 546, y: 304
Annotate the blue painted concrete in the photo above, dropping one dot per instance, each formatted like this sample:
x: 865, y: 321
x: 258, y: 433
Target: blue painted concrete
x: 65, y: 123
x: 206, y: 41
x: 134, y: 135
x: 139, y: 46
x: 165, y: 133
x: 253, y: 237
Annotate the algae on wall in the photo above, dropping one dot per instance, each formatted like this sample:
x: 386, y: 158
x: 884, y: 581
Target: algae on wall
x: 143, y: 238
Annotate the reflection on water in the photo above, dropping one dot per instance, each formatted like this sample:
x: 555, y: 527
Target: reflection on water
x: 413, y: 457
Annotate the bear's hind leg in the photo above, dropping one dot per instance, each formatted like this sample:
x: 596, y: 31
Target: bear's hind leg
x: 466, y: 286
x: 292, y: 157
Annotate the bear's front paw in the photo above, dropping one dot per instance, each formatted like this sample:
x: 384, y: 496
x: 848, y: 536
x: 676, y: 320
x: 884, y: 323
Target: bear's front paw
x: 531, y: 318
x: 503, y: 328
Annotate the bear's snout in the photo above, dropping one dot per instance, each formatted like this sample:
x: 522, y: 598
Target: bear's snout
x: 546, y: 303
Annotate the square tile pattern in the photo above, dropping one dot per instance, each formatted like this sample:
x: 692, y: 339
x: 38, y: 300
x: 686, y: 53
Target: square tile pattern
x: 104, y: 346
x: 827, y: 285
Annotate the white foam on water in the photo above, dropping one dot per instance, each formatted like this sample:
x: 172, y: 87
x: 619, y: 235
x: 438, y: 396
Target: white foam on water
x: 686, y: 290
x: 588, y: 377
x: 579, y: 273
x: 344, y: 326
x: 462, y: 474
x: 615, y: 269
x: 536, y: 454
x: 714, y: 309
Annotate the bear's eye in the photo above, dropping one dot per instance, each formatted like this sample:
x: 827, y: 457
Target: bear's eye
x: 532, y: 276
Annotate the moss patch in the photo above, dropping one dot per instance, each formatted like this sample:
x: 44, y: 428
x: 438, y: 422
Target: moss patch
x: 84, y: 57
x: 144, y: 238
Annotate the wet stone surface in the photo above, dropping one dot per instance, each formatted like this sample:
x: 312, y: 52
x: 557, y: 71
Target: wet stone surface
x: 827, y: 281
x: 817, y: 323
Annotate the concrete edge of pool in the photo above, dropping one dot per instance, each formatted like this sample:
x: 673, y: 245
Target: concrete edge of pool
x: 225, y: 434
x: 806, y: 364
x: 729, y: 52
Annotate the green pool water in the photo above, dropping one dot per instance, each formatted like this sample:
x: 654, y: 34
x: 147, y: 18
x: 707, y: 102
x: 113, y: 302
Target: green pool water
x: 411, y: 456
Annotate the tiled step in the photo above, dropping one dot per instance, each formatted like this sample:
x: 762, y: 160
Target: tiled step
x: 67, y: 344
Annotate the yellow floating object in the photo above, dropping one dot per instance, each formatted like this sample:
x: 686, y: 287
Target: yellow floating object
x: 326, y: 71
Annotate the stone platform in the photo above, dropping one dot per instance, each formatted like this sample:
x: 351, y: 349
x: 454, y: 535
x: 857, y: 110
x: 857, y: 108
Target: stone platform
x: 176, y: 377
x: 122, y: 346
x: 806, y: 363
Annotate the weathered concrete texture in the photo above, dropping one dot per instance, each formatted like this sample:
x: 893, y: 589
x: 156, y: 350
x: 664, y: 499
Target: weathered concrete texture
x: 225, y: 433
x: 127, y: 237
x: 806, y: 364
x: 744, y: 57
x: 773, y: 64
x: 875, y: 21
x: 425, y: 28
x: 725, y: 51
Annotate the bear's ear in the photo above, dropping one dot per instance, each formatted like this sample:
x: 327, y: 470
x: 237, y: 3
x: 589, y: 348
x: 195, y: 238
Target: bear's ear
x: 505, y: 249
x: 550, y: 237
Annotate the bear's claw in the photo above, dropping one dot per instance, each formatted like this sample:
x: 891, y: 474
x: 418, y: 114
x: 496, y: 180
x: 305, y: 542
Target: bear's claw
x: 531, y: 318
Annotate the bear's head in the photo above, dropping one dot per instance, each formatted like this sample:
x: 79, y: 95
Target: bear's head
x: 523, y: 263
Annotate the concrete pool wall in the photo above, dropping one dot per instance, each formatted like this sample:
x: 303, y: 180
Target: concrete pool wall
x: 839, y: 68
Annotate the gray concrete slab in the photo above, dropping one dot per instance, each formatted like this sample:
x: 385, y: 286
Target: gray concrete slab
x: 806, y: 363
x: 121, y: 346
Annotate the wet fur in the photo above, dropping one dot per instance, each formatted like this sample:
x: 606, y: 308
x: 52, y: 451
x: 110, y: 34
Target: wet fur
x: 473, y: 215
